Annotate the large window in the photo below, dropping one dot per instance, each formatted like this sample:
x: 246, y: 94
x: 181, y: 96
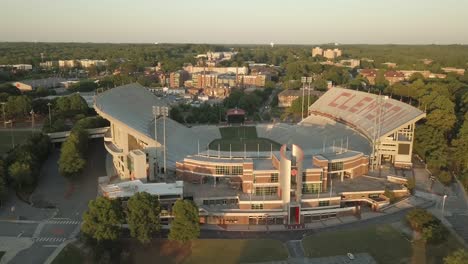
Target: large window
x: 256, y: 206
x: 311, y: 188
x: 237, y: 170
x: 324, y: 203
x: 270, y: 190
x: 274, y: 177
x: 335, y: 166
x: 229, y: 170
x: 222, y: 170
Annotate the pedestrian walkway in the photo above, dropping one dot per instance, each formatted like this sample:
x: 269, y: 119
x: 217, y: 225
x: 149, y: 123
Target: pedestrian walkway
x: 295, y: 249
x: 50, y: 239
x: 63, y: 222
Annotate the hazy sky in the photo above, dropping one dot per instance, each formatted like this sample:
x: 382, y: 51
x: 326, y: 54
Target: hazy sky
x: 237, y: 21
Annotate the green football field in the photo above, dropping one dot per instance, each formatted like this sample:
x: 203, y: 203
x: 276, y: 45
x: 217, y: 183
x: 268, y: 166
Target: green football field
x: 239, y: 137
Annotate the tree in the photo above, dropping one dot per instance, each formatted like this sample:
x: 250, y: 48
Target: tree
x: 143, y: 212
x: 445, y: 177
x: 320, y: 84
x: 380, y: 81
x: 425, y: 223
x: 21, y: 174
x: 185, y: 225
x: 3, y: 187
x: 459, y: 256
x: 296, y: 105
x: 71, y: 162
x: 102, y: 221
x: 84, y: 86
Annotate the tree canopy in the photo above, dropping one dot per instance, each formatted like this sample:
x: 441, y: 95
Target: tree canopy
x: 143, y: 212
x: 102, y: 221
x: 185, y: 225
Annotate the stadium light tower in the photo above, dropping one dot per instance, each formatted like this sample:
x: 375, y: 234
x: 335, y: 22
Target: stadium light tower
x: 164, y: 113
x: 309, y: 81
x: 303, y: 81
x: 156, y: 113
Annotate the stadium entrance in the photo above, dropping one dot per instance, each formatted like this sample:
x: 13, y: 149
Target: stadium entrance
x: 235, y: 116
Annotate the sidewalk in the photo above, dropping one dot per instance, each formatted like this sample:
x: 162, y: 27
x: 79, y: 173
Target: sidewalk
x: 12, y: 245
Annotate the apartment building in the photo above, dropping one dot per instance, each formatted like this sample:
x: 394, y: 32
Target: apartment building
x: 86, y: 63
x: 317, y: 51
x: 177, y: 78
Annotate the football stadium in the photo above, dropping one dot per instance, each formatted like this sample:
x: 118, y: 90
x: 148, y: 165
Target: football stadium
x: 277, y: 173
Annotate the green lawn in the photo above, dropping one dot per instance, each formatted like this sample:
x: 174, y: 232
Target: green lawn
x: 70, y: 255
x: 224, y: 251
x: 6, y: 139
x: 384, y: 243
x: 235, y: 138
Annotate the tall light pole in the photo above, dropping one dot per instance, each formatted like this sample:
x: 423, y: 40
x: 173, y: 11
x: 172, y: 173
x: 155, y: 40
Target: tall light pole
x: 50, y: 115
x: 164, y: 113
x: 443, y: 203
x: 303, y: 81
x: 32, y: 119
x: 156, y: 113
x: 4, y: 116
x: 309, y: 81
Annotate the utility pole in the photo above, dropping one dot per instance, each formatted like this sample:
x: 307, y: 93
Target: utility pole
x: 50, y: 116
x: 4, y: 116
x: 32, y: 119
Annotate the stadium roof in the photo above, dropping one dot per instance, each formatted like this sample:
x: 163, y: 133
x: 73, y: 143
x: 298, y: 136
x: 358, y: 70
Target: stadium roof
x: 361, y: 111
x: 131, y: 104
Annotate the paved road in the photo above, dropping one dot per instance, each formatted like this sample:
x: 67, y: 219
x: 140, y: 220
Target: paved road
x: 69, y: 199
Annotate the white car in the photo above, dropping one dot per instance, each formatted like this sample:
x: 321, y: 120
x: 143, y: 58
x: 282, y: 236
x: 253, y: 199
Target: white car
x: 350, y: 256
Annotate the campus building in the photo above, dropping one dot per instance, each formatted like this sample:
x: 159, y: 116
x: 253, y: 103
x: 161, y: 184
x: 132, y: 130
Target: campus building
x: 47, y: 83
x: 280, y: 187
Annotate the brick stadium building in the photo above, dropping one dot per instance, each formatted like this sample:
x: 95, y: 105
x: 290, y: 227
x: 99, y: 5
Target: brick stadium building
x: 306, y: 180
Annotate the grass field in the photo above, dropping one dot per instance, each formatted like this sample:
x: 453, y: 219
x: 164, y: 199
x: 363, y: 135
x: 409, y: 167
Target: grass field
x: 5, y: 139
x: 238, y: 136
x: 384, y: 243
x: 70, y: 255
x: 201, y: 251
x: 210, y: 251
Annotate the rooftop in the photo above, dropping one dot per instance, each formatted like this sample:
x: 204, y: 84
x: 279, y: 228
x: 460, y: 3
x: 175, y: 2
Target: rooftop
x: 131, y: 104
x: 129, y: 188
x: 51, y: 82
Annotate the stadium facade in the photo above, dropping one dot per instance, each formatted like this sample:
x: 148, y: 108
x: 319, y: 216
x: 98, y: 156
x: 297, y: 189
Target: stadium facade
x: 308, y: 178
